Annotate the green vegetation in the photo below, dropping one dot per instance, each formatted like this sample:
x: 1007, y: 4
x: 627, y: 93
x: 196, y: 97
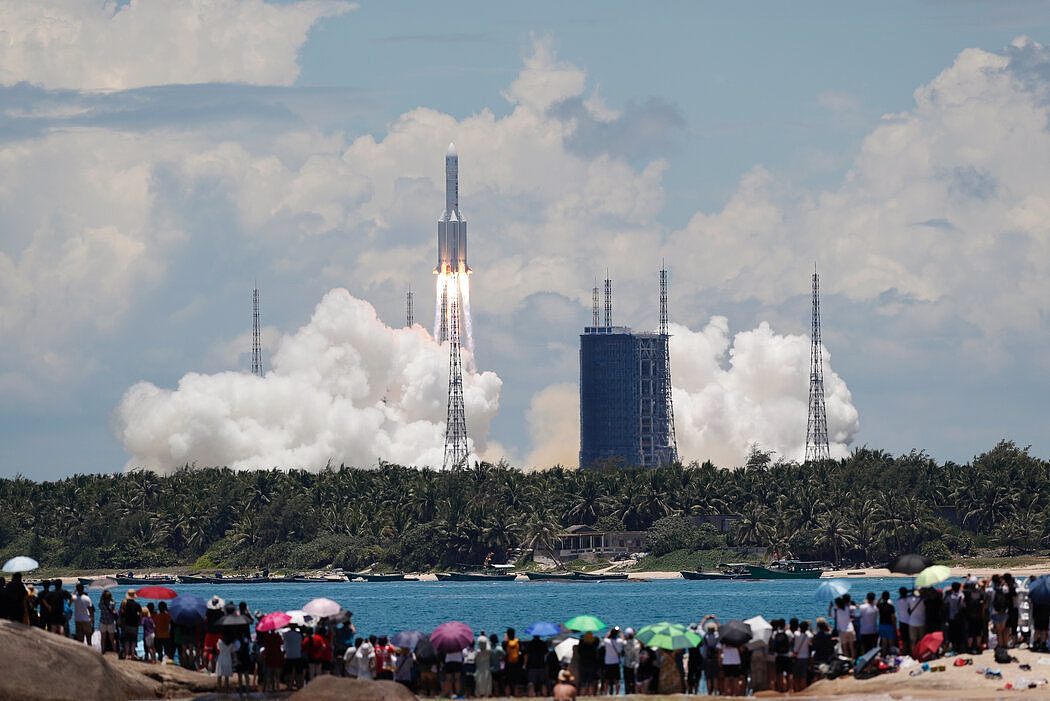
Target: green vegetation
x: 863, y: 508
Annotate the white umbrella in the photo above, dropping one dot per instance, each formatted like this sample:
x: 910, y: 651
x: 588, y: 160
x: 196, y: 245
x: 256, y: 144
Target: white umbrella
x: 299, y: 617
x: 102, y: 583
x: 564, y: 649
x: 322, y: 608
x: 20, y: 564
x: 760, y: 629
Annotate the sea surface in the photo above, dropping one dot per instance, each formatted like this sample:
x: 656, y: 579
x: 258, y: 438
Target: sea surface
x: 388, y: 607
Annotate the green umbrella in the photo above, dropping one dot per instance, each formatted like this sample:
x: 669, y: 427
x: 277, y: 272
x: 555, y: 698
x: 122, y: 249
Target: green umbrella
x: 667, y: 636
x: 932, y: 575
x: 584, y: 624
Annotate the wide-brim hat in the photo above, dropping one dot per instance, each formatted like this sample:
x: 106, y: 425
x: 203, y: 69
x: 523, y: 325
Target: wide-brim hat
x: 215, y: 603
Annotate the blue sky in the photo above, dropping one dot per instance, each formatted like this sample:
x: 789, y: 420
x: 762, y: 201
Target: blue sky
x: 739, y: 140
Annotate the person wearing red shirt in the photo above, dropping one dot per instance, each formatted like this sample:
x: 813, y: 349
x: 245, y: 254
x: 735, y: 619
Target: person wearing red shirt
x: 319, y: 652
x: 386, y: 662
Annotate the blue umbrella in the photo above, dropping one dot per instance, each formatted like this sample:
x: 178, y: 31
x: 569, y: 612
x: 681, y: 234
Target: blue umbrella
x: 830, y: 590
x: 407, y: 639
x: 543, y: 629
x: 187, y: 609
x: 1039, y: 591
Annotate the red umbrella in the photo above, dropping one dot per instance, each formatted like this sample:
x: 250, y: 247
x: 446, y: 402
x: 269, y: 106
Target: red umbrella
x: 273, y: 621
x: 928, y: 647
x: 155, y: 592
x: 452, y: 637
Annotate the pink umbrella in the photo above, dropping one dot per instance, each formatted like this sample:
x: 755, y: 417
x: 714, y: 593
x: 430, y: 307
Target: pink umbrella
x: 451, y: 637
x: 273, y: 621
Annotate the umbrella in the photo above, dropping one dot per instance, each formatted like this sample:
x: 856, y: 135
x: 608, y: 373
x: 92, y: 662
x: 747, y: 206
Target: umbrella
x: 1039, y: 591
x: 322, y: 608
x: 584, y: 624
x: 232, y: 619
x: 407, y: 639
x: 543, y: 629
x: 102, y: 583
x: 932, y: 575
x: 864, y: 661
x: 830, y: 590
x: 20, y: 564
x: 273, y: 621
x: 668, y: 636
x: 299, y: 618
x: 909, y: 564
x: 187, y: 609
x: 155, y: 592
x: 928, y: 646
x: 735, y: 633
x: 760, y: 629
x: 564, y: 650
x: 452, y: 637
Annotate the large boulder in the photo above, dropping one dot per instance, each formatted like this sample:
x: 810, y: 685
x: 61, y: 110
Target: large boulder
x: 39, y: 666
x: 327, y: 688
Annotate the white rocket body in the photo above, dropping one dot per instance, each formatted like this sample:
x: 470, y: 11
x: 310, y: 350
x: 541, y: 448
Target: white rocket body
x: 452, y: 227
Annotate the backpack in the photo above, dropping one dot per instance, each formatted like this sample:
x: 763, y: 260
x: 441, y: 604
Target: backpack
x: 513, y: 651
x: 710, y: 646
x: 781, y: 643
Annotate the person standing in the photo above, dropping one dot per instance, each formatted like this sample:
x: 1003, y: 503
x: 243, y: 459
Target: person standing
x: 780, y: 647
x: 612, y: 654
x: 732, y: 666
x: 226, y: 649
x: 16, y: 597
x: 800, y: 652
x: 631, y: 659
x: 844, y: 625
x: 130, y: 616
x: 868, y: 620
x: 56, y: 605
x: 162, y: 629
x: 293, y: 657
x: 512, y: 676
x: 916, y: 618
x: 887, y: 622
x: 107, y: 621
x: 536, y: 666
x: 483, y: 668
x: 901, y: 604
x: 149, y: 631
x: 956, y: 602
x: 496, y: 664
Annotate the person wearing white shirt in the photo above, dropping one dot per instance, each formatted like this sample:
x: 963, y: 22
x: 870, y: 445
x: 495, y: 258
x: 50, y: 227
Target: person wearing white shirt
x: 901, y: 604
x: 916, y: 617
x: 869, y: 623
x: 800, y: 647
x: 843, y: 614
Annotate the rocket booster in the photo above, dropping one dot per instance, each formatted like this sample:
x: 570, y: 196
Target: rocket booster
x: 452, y: 227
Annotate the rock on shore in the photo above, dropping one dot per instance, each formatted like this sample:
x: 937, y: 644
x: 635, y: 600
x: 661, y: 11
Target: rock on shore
x: 41, y: 666
x: 344, y: 689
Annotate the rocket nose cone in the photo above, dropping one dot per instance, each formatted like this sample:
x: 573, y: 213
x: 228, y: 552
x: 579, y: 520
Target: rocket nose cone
x: 451, y: 152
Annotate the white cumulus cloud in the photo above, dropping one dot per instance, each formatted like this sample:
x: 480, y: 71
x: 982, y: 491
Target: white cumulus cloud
x: 344, y: 388
x: 106, y: 45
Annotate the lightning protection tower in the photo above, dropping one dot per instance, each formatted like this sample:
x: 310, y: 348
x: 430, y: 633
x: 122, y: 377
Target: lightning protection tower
x: 410, y: 317
x: 456, y: 449
x: 257, y: 367
x: 817, y: 423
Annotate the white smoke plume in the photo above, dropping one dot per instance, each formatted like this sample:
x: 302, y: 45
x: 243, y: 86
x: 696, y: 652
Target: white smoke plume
x: 344, y: 388
x: 753, y: 390
x: 730, y: 394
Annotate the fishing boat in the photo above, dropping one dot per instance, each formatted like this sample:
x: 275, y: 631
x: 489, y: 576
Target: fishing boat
x: 377, y: 577
x: 475, y: 577
x: 330, y: 579
x: 787, y: 569
x: 131, y: 580
x: 600, y: 576
x: 200, y: 579
x: 549, y: 576
x: 731, y: 570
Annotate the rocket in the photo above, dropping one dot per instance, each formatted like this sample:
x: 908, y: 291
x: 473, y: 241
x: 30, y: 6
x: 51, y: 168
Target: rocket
x: 452, y: 227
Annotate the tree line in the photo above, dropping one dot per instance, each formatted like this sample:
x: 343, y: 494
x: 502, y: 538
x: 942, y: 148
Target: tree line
x: 863, y: 508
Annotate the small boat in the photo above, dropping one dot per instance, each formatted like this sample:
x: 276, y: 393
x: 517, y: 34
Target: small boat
x: 787, y: 569
x: 331, y: 579
x: 731, y: 570
x: 547, y: 576
x: 475, y: 577
x: 377, y: 577
x: 199, y: 579
x: 600, y: 576
x: 133, y: 581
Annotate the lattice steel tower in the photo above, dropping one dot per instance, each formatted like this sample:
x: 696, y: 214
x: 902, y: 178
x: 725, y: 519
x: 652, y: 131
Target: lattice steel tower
x: 817, y: 423
x: 594, y: 305
x: 668, y: 401
x: 257, y: 366
x: 608, y: 301
x: 456, y: 449
x: 410, y: 316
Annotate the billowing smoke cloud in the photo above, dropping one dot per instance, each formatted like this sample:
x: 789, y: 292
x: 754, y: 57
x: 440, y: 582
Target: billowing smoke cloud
x: 730, y: 394
x: 344, y: 388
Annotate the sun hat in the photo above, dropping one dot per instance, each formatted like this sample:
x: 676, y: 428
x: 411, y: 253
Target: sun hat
x: 628, y: 631
x: 215, y: 603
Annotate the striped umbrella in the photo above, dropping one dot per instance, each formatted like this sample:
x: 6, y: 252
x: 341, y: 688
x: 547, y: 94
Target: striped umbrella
x: 667, y: 636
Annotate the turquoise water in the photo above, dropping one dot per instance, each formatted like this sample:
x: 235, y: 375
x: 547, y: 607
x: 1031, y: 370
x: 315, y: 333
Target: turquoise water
x: 388, y: 607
